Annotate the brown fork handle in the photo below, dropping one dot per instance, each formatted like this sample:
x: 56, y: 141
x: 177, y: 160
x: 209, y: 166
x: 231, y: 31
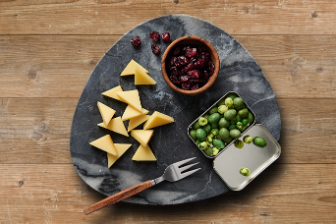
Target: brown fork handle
x: 129, y: 192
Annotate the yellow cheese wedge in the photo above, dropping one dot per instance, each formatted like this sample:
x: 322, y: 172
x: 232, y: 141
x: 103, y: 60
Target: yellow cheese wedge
x: 142, y: 136
x: 112, y: 93
x: 132, y: 98
x: 130, y: 68
x: 141, y: 78
x: 105, y: 112
x: 157, y: 119
x: 116, y: 125
x: 105, y: 143
x: 130, y: 113
x: 121, y: 149
x: 144, y: 153
x: 135, y: 122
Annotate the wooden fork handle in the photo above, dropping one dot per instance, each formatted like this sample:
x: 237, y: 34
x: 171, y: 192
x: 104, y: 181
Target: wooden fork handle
x: 129, y: 192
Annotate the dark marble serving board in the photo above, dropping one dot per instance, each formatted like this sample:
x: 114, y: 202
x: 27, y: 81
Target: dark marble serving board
x: 239, y: 72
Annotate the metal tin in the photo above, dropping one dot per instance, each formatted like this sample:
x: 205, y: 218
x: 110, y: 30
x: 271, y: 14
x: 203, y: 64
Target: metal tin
x: 215, y: 104
x: 228, y: 162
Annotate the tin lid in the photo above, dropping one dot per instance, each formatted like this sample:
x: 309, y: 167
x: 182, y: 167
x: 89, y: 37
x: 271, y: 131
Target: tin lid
x: 228, y: 164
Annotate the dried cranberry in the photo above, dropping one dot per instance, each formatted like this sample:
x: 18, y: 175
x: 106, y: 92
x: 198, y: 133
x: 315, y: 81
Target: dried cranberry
x: 166, y: 37
x: 177, y: 51
x: 194, y: 74
x: 183, y: 60
x: 186, y: 86
x: 190, y: 52
x: 175, y: 80
x: 200, y: 49
x: 173, y: 60
x: 200, y: 63
x: 156, y: 49
x: 136, y: 41
x: 194, y: 87
x: 188, y: 67
x: 155, y: 36
x: 173, y: 71
x: 193, y: 59
x: 184, y: 78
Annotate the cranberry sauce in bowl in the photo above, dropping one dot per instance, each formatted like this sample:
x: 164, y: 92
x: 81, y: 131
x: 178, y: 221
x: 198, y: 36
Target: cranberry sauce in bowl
x: 190, y: 65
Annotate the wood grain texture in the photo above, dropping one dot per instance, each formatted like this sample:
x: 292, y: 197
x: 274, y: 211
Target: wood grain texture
x: 118, y: 16
x: 300, y: 66
x: 42, y: 126
x: 284, y: 193
x: 122, y: 195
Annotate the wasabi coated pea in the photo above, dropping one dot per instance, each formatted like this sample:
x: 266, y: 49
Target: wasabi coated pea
x: 250, y: 118
x: 200, y: 134
x: 203, y: 145
x: 244, y: 122
x: 221, y: 102
x: 210, y: 135
x: 245, y: 171
x: 232, y: 126
x: 207, y: 128
x: 239, y: 144
x: 218, y: 143
x: 238, y: 102
x: 229, y: 102
x: 209, y: 139
x: 208, y: 151
x: 197, y: 142
x: 214, y: 131
x: 232, y: 96
x: 240, y: 108
x: 192, y: 134
x: 224, y: 133
x: 236, y: 120
x: 259, y: 141
x: 248, y: 139
x: 214, y: 151
x: 206, y: 116
x: 202, y: 121
x: 223, y: 123
x: 230, y: 114
x: 228, y: 140
x: 196, y: 125
x: 214, y: 125
x: 222, y: 109
x: 213, y: 110
x: 214, y: 118
x: 235, y: 133
x: 243, y: 113
x: 239, y: 125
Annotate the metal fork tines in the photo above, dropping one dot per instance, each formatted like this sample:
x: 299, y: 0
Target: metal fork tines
x: 174, y: 172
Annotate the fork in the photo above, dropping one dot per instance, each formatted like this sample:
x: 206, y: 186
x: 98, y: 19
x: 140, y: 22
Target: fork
x: 172, y: 173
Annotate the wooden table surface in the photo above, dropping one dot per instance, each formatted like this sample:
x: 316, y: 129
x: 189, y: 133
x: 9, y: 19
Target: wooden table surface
x: 48, y: 48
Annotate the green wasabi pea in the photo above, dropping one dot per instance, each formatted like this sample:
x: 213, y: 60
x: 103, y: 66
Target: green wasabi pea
x: 213, y: 110
x: 238, y: 102
x: 192, y: 134
x: 207, y: 128
x: 214, y: 131
x: 214, y: 118
x: 224, y: 133
x: 232, y: 96
x: 248, y: 139
x: 235, y: 133
x: 200, y: 134
x: 202, y: 121
x: 218, y: 143
x: 222, y: 109
x: 239, y: 125
x: 239, y: 144
x: 214, y: 151
x: 232, y: 126
x: 196, y: 125
x: 221, y: 102
x: 250, y: 118
x: 244, y: 122
x: 209, y: 139
x: 229, y: 102
x: 206, y: 116
x: 243, y: 113
x: 197, y: 142
x: 214, y: 125
x: 230, y: 114
x: 259, y: 141
x: 208, y: 151
x: 245, y: 171
x: 223, y: 123
x: 203, y: 145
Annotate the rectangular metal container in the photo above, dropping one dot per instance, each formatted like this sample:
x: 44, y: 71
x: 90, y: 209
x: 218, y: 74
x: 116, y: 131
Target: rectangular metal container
x: 215, y: 104
x: 228, y: 163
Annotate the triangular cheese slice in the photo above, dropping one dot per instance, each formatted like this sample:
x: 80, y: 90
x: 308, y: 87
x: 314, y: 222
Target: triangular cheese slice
x: 142, y: 136
x: 130, y: 68
x: 141, y: 78
x: 135, y: 122
x: 105, y: 112
x: 116, y: 125
x: 144, y: 153
x: 121, y: 149
x: 112, y: 93
x: 157, y: 119
x: 105, y: 143
x: 130, y: 113
x: 132, y: 98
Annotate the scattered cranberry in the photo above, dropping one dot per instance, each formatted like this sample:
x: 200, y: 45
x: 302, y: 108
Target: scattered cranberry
x: 136, y: 41
x: 155, y: 36
x: 166, y: 37
x: 190, y: 67
x: 156, y: 49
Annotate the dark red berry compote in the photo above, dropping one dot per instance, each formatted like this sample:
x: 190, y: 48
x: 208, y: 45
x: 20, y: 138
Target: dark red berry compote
x: 136, y: 41
x: 189, y: 67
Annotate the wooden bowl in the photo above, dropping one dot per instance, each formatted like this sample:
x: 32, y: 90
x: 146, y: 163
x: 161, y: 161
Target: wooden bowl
x: 191, y: 40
